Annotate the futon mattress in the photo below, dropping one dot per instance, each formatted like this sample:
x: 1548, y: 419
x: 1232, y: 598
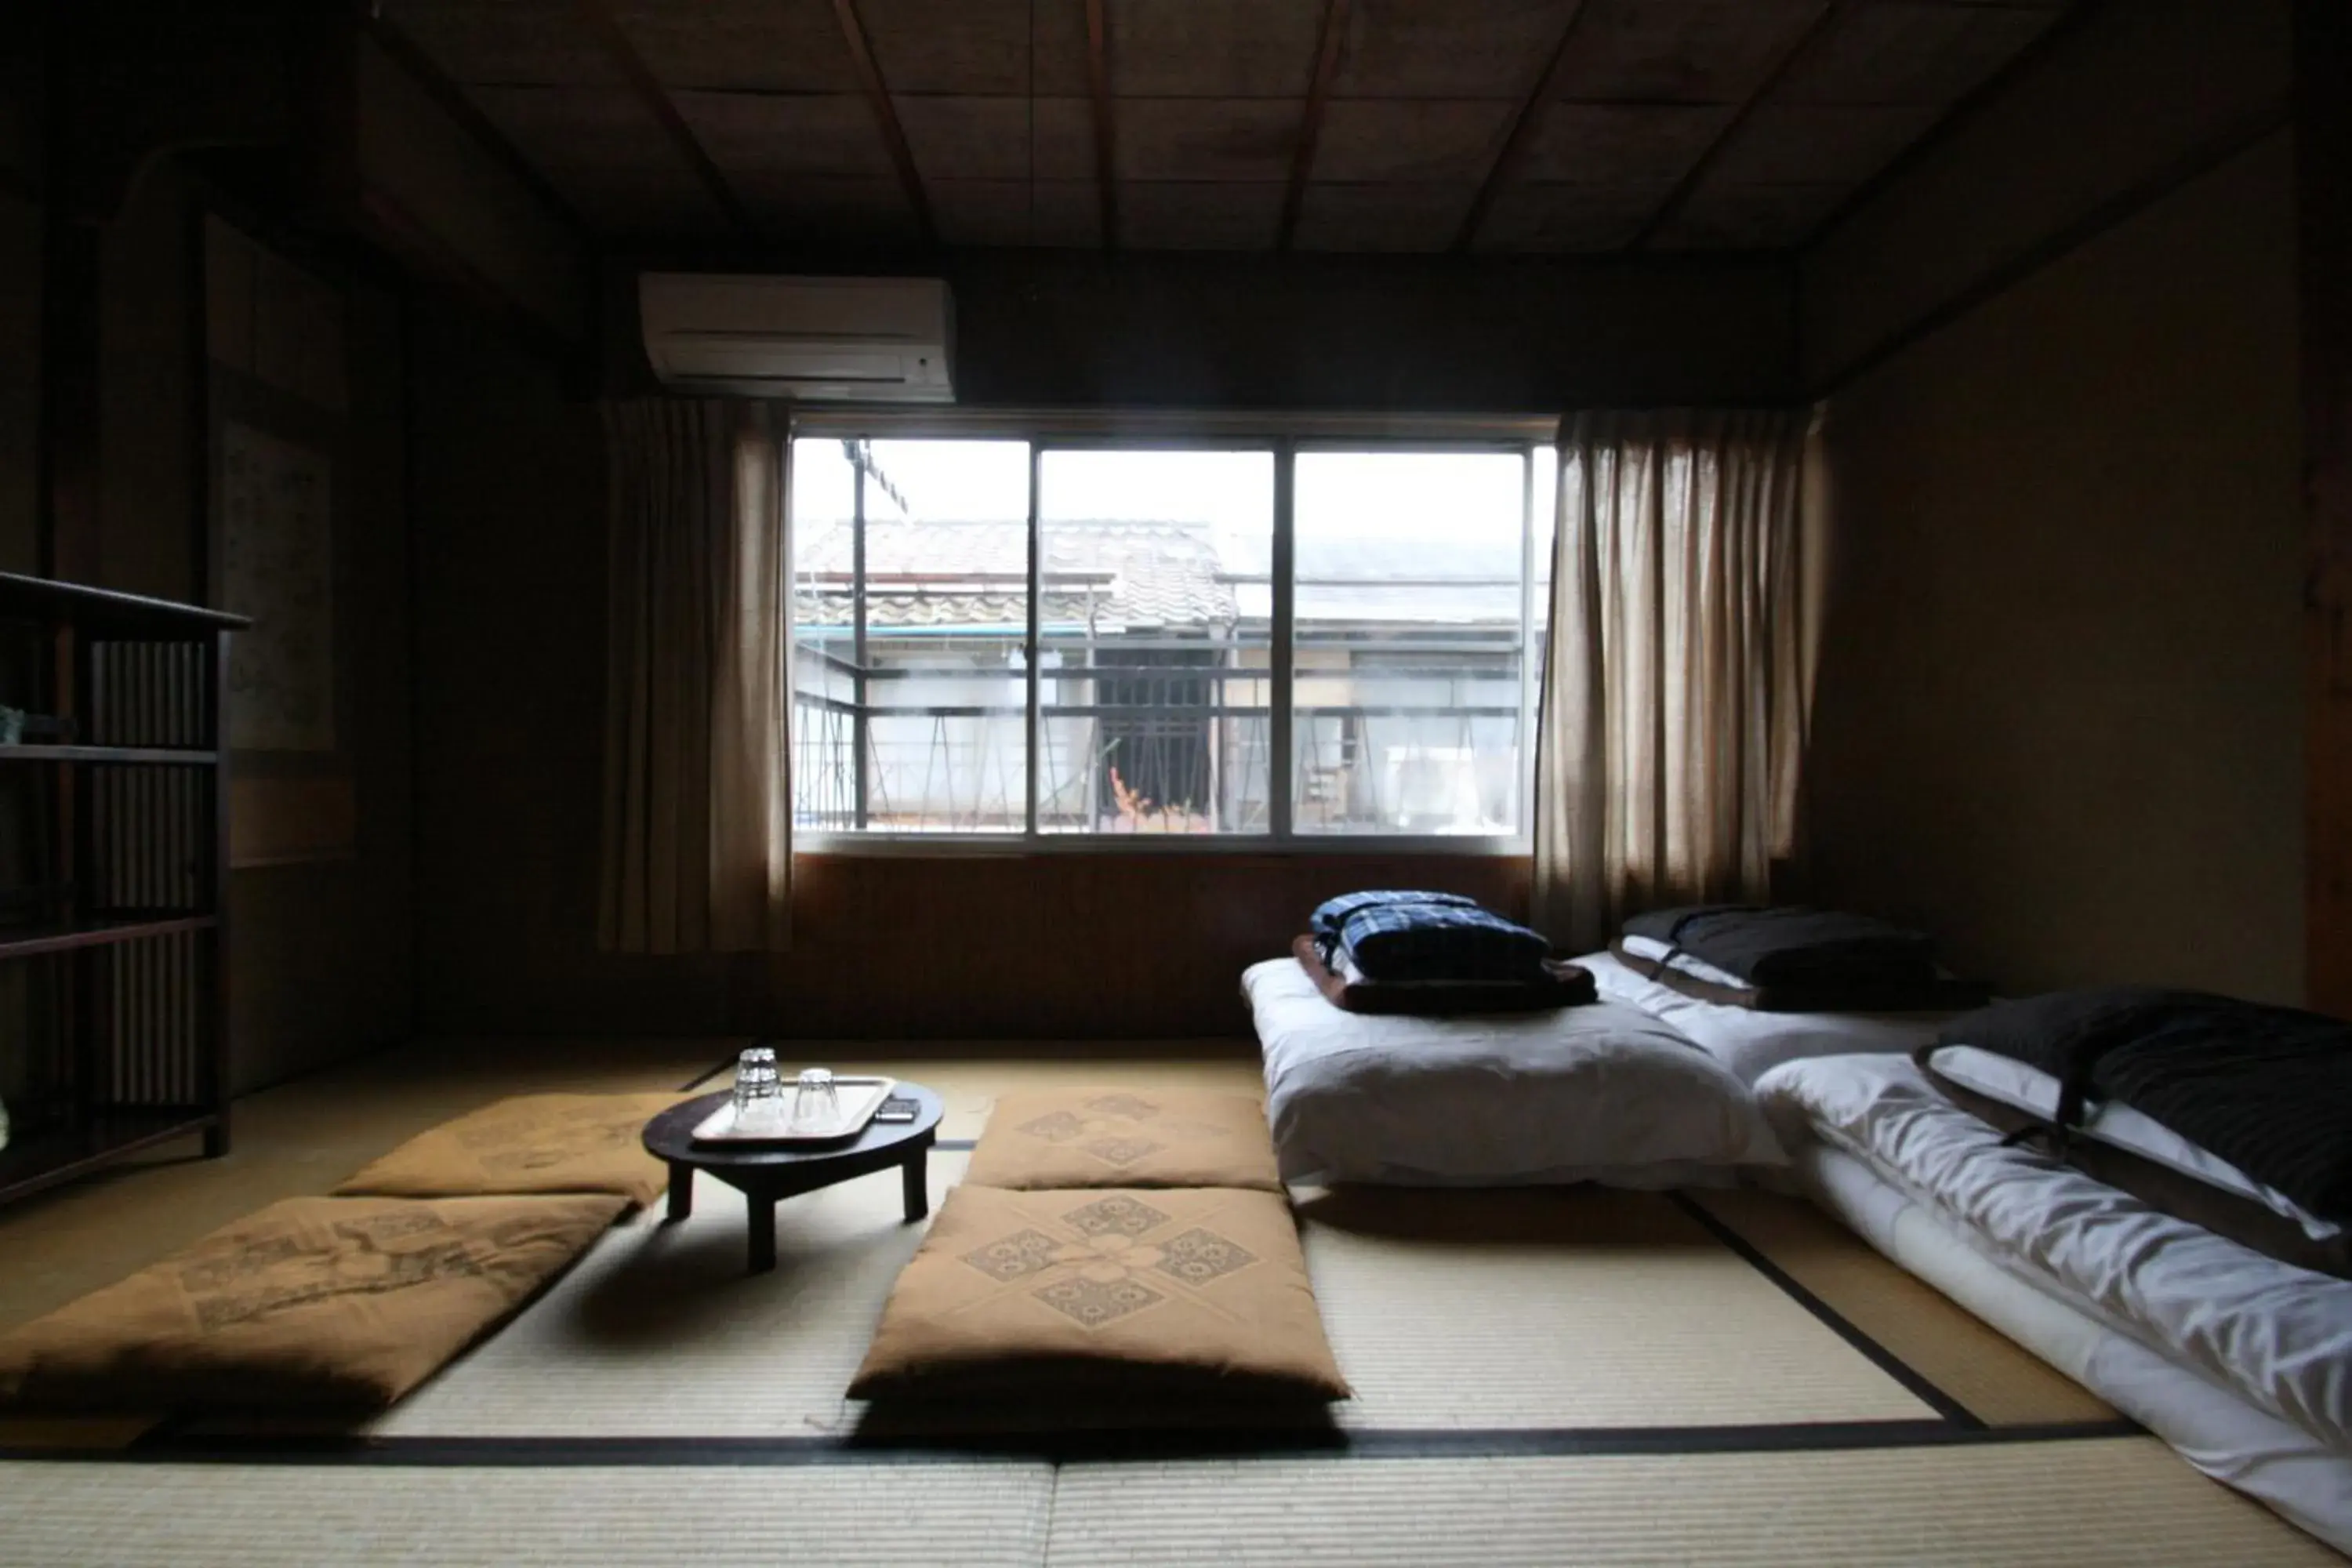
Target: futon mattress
x: 2256, y: 1332
x: 1594, y: 1093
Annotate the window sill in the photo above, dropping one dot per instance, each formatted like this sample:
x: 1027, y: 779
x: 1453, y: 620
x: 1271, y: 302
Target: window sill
x: 968, y: 846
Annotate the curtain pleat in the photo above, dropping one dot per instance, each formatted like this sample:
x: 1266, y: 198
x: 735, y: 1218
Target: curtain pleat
x: 697, y: 825
x: 1673, y: 717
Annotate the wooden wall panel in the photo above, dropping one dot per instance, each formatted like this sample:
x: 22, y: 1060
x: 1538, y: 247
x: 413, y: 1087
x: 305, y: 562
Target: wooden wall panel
x: 1048, y: 947
x: 2324, y: 148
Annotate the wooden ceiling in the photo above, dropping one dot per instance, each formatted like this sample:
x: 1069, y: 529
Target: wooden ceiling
x: 1557, y: 126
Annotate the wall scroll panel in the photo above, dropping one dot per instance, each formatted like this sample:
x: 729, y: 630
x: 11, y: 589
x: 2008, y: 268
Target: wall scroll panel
x: 277, y: 429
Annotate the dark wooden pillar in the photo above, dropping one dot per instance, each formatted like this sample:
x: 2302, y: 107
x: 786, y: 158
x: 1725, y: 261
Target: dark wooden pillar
x: 68, y: 462
x: 2323, y: 127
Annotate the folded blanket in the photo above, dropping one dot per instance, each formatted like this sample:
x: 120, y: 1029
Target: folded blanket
x: 2268, y: 1090
x: 1702, y: 981
x: 1793, y: 945
x: 1561, y: 985
x: 1397, y: 942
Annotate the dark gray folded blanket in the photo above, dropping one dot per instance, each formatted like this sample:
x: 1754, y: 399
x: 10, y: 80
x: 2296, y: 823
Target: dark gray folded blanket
x: 1795, y: 946
x: 2269, y: 1090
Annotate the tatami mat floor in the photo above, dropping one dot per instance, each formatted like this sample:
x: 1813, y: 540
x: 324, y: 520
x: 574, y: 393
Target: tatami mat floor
x: 2121, y: 1502
x: 305, y: 1136
x: 1572, y: 1376
x: 1914, y: 1323
x: 982, y: 1514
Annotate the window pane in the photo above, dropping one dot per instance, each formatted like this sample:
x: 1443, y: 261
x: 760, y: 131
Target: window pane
x: 1407, y: 570
x: 1546, y: 519
x: 1154, y: 666
x: 910, y: 701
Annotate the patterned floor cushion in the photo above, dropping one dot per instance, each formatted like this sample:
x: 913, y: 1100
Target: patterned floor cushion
x: 1126, y: 1138
x: 533, y: 1143
x: 1188, y: 1291
x: 312, y: 1304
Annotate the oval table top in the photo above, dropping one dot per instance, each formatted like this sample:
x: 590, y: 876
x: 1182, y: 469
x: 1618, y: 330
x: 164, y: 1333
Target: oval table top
x: 670, y: 1136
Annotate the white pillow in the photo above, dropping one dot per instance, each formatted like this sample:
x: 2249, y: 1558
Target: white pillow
x: 2026, y: 1087
x: 1752, y: 1042
x: 1688, y: 963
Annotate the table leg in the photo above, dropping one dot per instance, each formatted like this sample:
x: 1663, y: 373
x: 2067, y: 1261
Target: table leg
x: 763, y: 1233
x: 681, y: 1191
x: 918, y: 1185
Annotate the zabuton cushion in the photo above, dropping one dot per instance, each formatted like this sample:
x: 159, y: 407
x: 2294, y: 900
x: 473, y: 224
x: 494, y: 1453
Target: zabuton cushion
x: 1126, y: 1138
x: 1185, y: 1291
x: 533, y: 1143
x: 312, y: 1304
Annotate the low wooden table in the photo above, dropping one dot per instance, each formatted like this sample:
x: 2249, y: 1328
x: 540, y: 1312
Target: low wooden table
x: 764, y: 1175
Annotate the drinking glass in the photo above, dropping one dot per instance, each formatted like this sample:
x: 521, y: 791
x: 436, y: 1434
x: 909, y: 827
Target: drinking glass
x: 758, y: 1090
x: 816, y: 1106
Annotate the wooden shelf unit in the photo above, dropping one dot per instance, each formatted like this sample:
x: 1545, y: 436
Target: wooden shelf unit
x: 31, y: 941
x: 124, y: 798
x: 164, y: 755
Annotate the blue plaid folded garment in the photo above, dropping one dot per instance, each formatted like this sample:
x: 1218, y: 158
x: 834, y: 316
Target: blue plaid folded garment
x: 1440, y: 941
x: 1332, y: 913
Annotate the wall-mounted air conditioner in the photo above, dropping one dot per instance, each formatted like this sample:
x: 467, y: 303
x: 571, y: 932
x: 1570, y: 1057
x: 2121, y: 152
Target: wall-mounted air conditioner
x: 882, y: 339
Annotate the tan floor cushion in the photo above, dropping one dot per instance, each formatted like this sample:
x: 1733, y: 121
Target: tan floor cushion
x: 327, y: 1304
x: 1126, y: 1138
x: 1182, y: 1291
x: 532, y: 1143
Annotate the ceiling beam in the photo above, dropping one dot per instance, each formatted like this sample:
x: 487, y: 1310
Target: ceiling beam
x: 1679, y: 198
x: 1506, y: 166
x: 623, y: 54
x: 1106, y: 141
x: 1310, y: 128
x: 459, y: 105
x: 886, y: 118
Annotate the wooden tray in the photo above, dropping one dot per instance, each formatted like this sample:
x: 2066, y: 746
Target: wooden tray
x: 860, y: 1099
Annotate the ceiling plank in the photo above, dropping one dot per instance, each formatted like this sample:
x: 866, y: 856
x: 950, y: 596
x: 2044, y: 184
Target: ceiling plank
x: 1106, y: 139
x: 1311, y: 125
x: 1522, y: 134
x: 607, y: 29
x: 1676, y: 199
x: 455, y: 103
x: 886, y: 118
x: 1965, y: 111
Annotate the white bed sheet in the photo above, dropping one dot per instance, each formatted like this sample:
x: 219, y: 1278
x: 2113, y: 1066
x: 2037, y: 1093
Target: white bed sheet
x: 2239, y: 1362
x: 1752, y: 1043
x: 1598, y: 1093
x: 2213, y: 1428
x: 2024, y: 1087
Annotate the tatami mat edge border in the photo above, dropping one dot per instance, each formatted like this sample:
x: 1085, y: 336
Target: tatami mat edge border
x: 690, y: 1085
x: 1153, y: 1444
x: 1885, y: 1359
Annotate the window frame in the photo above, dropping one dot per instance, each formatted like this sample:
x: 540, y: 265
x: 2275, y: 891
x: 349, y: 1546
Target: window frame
x: 1286, y: 439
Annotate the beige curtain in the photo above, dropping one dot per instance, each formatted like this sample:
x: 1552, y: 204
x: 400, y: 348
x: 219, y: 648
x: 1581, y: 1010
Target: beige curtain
x: 697, y: 819
x: 1673, y: 716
